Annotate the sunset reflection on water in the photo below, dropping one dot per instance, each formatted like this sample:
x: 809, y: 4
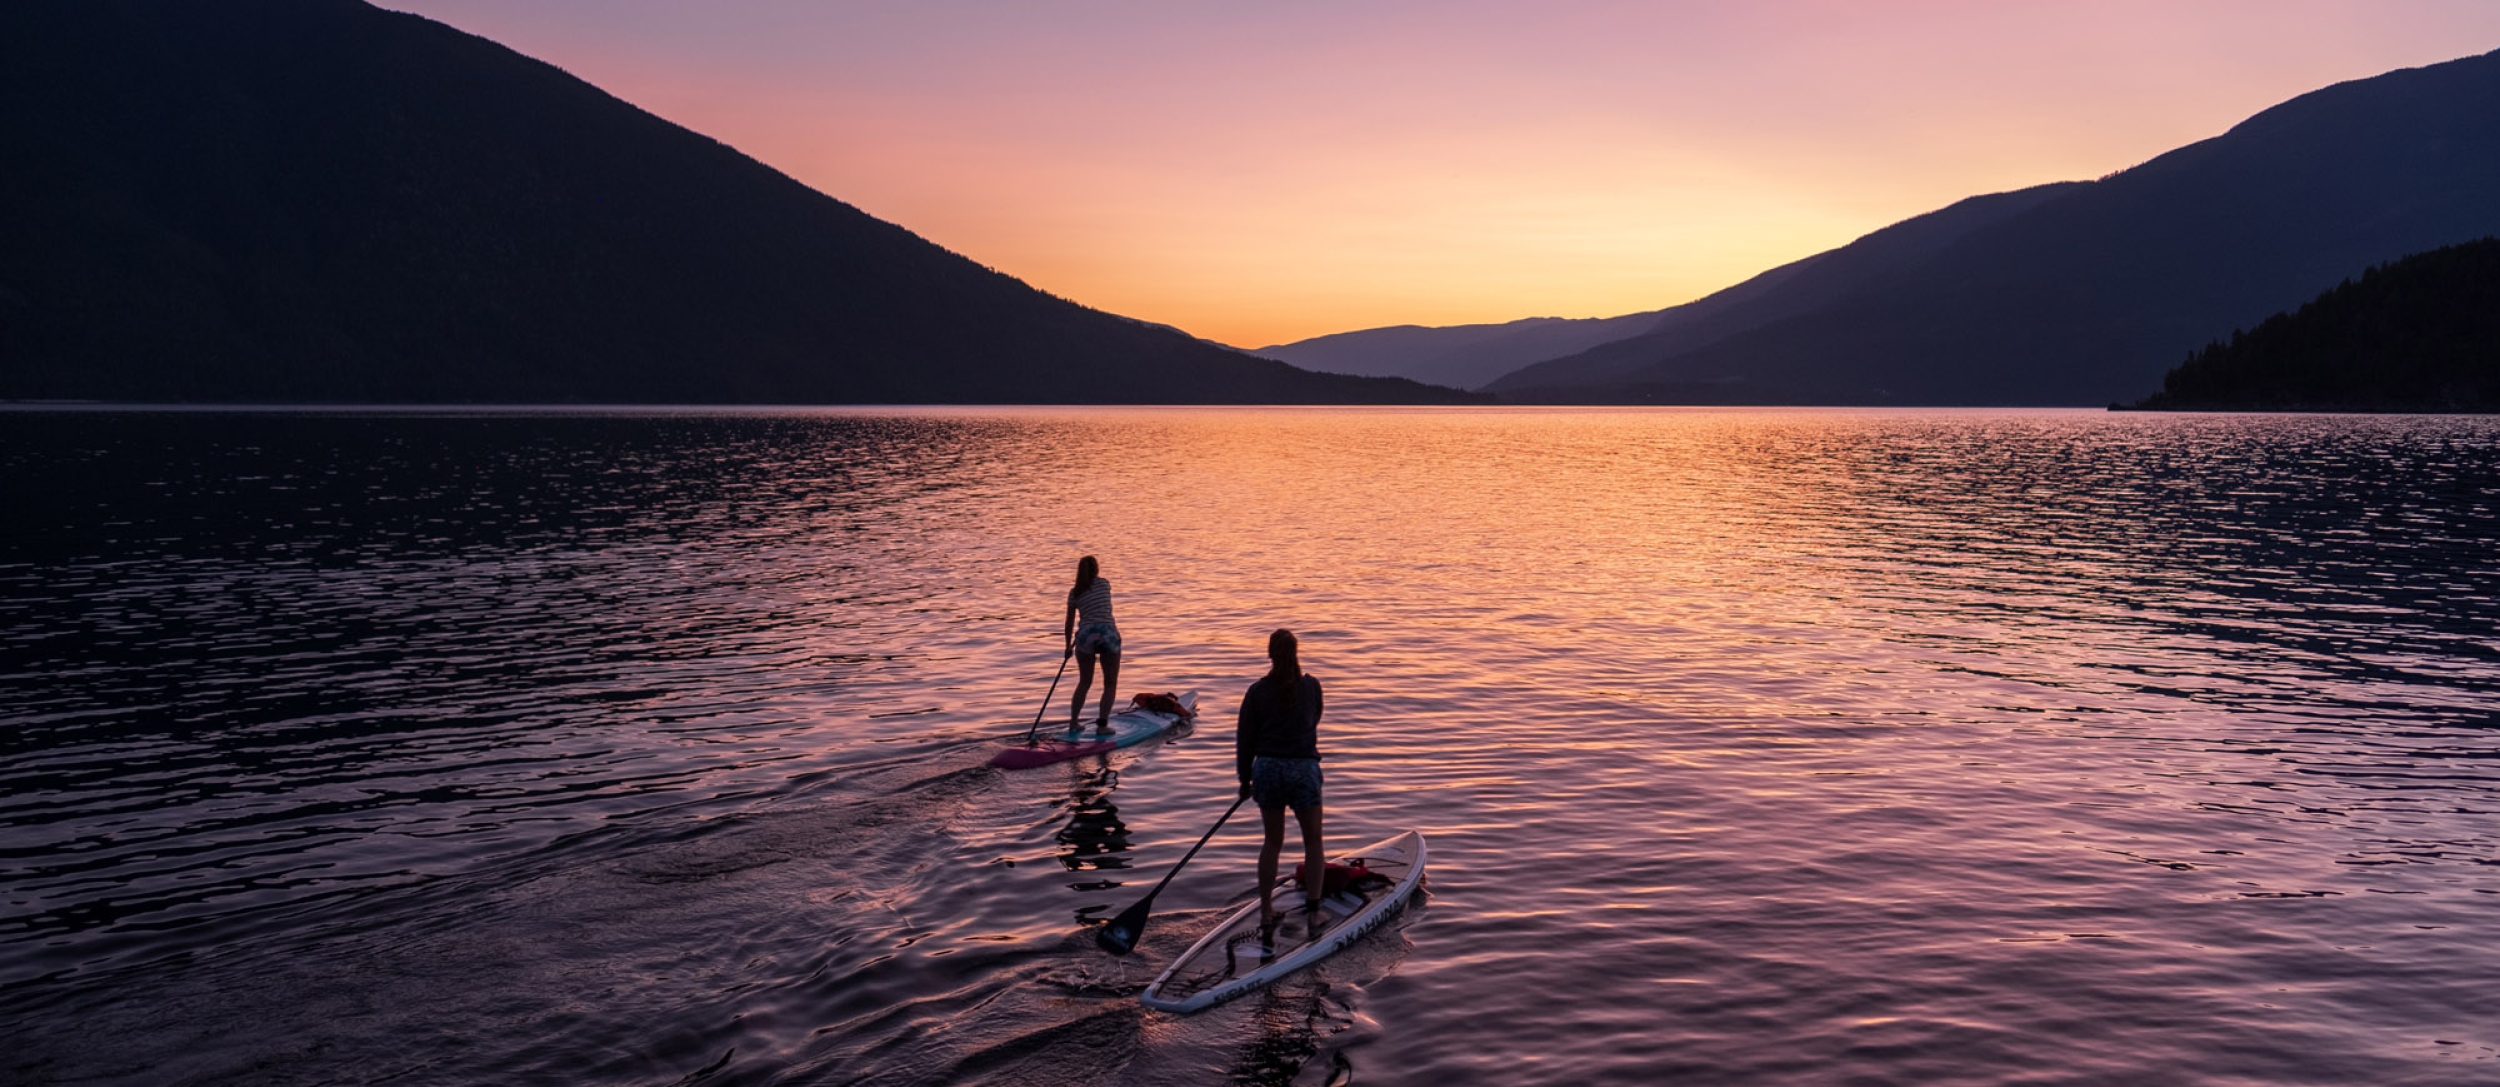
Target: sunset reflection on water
x: 1754, y: 746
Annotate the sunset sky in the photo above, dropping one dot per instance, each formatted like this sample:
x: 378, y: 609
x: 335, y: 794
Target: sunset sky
x: 1259, y: 173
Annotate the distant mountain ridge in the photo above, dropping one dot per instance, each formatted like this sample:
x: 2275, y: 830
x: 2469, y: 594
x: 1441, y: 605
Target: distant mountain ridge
x: 318, y: 200
x: 2083, y: 293
x: 1460, y: 356
x: 1548, y: 356
x: 1786, y: 291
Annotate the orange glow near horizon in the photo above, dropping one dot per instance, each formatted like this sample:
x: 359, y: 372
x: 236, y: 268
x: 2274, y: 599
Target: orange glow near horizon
x: 1262, y: 176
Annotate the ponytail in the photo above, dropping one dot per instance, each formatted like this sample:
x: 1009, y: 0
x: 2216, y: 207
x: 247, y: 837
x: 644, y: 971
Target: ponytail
x: 1284, y: 655
x: 1086, y: 571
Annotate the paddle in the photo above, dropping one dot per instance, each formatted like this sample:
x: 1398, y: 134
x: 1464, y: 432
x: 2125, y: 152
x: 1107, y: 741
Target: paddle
x: 1054, y: 690
x: 1121, y: 934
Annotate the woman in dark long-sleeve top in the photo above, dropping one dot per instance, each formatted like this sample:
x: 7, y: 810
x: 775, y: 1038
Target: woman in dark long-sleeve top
x: 1276, y: 757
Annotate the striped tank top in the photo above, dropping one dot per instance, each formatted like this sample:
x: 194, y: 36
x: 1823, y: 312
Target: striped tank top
x: 1094, y: 607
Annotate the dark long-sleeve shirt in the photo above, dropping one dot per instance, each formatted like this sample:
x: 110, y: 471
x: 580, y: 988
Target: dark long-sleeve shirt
x: 1269, y: 729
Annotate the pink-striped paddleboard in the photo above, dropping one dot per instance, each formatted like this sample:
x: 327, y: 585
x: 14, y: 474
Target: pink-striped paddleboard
x: 1129, y: 728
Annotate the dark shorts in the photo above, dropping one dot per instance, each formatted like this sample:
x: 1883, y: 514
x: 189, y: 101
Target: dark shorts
x: 1093, y: 638
x: 1284, y: 783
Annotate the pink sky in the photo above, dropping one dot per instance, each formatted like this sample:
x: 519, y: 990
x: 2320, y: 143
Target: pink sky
x: 1259, y: 173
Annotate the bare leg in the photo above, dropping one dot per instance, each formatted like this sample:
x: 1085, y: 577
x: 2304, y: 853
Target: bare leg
x: 1084, y: 679
x: 1110, y: 687
x: 1314, y: 854
x: 1273, y: 820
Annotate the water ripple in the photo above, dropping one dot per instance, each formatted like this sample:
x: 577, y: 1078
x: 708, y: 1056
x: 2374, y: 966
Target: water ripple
x: 1755, y: 746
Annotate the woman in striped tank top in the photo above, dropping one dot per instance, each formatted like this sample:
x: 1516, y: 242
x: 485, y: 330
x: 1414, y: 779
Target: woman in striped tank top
x: 1089, y: 633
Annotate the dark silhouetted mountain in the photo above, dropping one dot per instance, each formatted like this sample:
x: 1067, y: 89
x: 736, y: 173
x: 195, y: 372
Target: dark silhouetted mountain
x: 1460, y: 356
x: 2088, y: 294
x: 317, y: 200
x: 1786, y: 291
x: 2420, y: 334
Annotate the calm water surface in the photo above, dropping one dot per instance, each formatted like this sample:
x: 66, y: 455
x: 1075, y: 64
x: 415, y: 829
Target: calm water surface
x: 1754, y: 747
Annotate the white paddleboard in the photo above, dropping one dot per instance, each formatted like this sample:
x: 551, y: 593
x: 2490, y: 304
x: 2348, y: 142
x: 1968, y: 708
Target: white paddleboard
x: 1237, y: 958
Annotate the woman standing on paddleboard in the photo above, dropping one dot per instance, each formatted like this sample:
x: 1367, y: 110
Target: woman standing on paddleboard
x: 1276, y: 756
x: 1089, y: 633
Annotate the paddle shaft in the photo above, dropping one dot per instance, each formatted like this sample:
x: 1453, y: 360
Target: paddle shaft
x: 1121, y: 934
x: 1054, y: 692
x: 1202, y: 844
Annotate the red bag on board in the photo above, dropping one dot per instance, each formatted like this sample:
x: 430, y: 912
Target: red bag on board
x: 1338, y: 878
x: 1161, y: 703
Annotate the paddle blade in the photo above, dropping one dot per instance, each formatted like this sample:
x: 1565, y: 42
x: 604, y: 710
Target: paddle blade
x: 1120, y: 936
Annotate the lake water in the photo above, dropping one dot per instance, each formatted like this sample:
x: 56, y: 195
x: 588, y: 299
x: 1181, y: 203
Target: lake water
x: 1753, y: 747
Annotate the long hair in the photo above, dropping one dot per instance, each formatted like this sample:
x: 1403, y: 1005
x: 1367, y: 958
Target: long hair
x: 1284, y: 654
x: 1086, y: 571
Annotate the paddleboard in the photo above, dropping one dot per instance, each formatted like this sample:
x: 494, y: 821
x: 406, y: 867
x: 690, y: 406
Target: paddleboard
x: 1237, y: 958
x: 1129, y: 728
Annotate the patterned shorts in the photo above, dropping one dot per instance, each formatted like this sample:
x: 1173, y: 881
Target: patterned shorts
x: 1284, y: 783
x: 1095, y: 638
